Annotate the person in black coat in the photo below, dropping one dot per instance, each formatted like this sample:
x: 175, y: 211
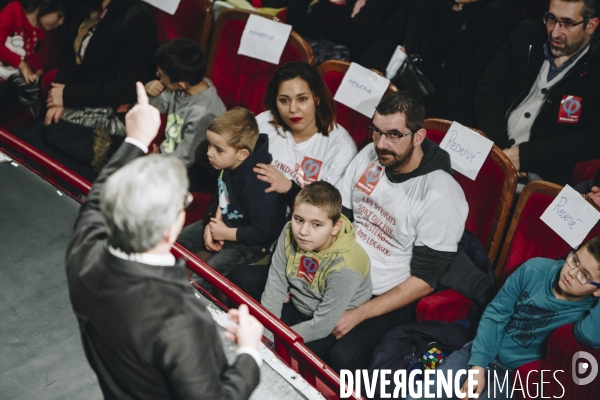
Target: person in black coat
x: 455, y: 40
x: 144, y: 332
x: 108, y: 48
x: 564, y: 128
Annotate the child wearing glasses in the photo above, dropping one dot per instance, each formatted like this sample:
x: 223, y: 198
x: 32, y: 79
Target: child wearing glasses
x: 536, y: 299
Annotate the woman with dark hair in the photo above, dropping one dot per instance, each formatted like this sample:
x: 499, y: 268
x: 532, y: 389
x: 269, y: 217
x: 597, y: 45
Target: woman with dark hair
x: 306, y: 143
x: 108, y: 48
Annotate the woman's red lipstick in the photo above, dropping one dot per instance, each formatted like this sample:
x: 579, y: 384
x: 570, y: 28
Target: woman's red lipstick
x: 296, y: 120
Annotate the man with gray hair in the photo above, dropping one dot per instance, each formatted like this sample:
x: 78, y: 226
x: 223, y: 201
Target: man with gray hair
x: 144, y: 332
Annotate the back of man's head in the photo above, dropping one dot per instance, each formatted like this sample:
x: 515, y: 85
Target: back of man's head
x: 407, y: 104
x: 141, y: 200
x: 182, y: 60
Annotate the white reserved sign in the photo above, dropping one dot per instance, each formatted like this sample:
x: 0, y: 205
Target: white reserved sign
x: 168, y: 6
x: 264, y: 39
x: 361, y: 89
x: 570, y: 216
x: 468, y: 149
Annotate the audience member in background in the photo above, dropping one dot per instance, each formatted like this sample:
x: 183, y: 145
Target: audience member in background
x: 455, y: 40
x: 347, y: 22
x: 22, y: 29
x: 188, y: 98
x: 537, y: 298
x: 306, y: 143
x: 242, y: 221
x: 320, y: 264
x: 144, y: 332
x: 538, y: 100
x: 409, y: 215
x: 108, y: 48
x: 591, y: 188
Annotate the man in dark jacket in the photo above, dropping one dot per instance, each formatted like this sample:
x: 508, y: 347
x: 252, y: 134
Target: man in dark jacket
x: 538, y: 98
x: 144, y: 332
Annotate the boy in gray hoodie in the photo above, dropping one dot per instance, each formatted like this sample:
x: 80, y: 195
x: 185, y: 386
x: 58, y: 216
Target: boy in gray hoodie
x: 319, y: 262
x: 188, y: 98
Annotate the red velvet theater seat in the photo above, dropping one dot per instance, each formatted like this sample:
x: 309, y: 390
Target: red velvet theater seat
x: 357, y: 124
x: 192, y: 20
x: 490, y: 198
x: 585, y: 170
x: 242, y: 80
x: 529, y: 237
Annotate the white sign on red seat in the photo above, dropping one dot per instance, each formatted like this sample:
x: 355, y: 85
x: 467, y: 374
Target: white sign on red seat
x: 264, y: 39
x: 570, y: 216
x: 361, y: 89
x: 468, y: 149
x: 168, y: 6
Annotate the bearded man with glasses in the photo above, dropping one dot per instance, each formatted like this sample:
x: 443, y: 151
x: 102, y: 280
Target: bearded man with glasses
x: 409, y: 215
x: 538, y: 98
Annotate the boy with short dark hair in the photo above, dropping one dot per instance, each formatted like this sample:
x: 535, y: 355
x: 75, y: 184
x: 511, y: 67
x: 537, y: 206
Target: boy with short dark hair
x: 536, y: 299
x: 318, y: 259
x: 188, y: 98
x: 242, y: 221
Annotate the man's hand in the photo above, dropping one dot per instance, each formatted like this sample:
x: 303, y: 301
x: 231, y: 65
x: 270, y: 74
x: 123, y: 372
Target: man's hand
x: 27, y: 73
x: 54, y: 114
x: 210, y: 243
x: 349, y: 320
x: 248, y: 331
x: 270, y: 174
x: 594, y: 194
x: 55, y: 96
x: 154, y: 88
x: 357, y: 6
x: 478, y: 377
x: 143, y: 120
x: 513, y: 155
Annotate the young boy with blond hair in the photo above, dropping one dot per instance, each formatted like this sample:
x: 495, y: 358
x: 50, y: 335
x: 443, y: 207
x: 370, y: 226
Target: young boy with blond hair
x: 242, y: 221
x: 319, y: 262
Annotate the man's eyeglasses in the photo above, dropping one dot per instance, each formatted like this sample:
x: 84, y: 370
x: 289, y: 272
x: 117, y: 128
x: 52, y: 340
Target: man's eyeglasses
x: 583, y: 276
x: 550, y: 20
x: 187, y: 200
x: 392, y: 137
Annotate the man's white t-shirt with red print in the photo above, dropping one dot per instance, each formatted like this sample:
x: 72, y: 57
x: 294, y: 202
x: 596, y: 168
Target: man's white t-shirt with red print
x: 391, y: 218
x: 320, y: 158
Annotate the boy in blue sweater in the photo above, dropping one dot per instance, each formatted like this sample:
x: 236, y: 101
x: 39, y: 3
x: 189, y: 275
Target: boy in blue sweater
x: 537, y: 298
x: 242, y: 221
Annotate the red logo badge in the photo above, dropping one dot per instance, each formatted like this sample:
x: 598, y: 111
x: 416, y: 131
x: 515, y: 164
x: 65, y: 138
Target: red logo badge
x: 370, y: 178
x: 308, y: 268
x: 570, y: 109
x: 309, y: 172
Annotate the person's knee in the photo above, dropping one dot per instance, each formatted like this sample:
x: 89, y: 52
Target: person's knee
x: 349, y: 356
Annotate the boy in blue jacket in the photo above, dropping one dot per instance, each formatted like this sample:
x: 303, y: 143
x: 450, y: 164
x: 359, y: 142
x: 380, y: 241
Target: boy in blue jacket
x: 537, y: 298
x: 242, y: 221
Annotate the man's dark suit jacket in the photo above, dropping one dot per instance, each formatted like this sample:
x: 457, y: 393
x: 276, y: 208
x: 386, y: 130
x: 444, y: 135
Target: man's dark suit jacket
x: 144, y: 332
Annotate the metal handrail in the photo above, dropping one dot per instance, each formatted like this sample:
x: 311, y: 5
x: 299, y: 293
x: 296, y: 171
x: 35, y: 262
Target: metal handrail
x: 311, y: 367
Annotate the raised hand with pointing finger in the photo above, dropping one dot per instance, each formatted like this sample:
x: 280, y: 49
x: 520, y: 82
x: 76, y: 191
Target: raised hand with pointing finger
x: 143, y: 120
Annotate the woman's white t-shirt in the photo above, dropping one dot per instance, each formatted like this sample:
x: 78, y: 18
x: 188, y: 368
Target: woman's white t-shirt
x: 321, y: 157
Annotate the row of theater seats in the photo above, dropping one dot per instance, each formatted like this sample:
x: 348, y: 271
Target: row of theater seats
x: 242, y: 81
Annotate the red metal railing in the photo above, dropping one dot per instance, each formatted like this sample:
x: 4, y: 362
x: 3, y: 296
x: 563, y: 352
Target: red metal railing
x: 289, y: 345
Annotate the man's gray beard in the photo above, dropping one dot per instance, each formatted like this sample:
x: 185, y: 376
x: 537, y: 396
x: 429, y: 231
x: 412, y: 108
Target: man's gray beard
x: 568, y: 50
